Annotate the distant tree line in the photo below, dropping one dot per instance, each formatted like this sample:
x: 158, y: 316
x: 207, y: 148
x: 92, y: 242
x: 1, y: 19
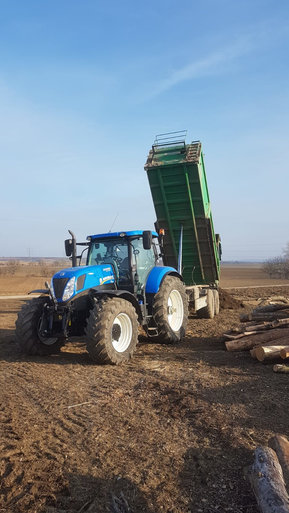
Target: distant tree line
x: 278, y: 267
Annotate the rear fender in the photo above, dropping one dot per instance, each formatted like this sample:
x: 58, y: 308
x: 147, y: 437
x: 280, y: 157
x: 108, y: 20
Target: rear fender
x: 156, y: 277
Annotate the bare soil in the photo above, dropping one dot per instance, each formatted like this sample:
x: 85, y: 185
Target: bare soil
x: 172, y: 430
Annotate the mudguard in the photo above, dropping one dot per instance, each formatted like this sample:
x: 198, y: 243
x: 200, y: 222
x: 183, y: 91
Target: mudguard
x: 156, y: 277
x: 124, y: 294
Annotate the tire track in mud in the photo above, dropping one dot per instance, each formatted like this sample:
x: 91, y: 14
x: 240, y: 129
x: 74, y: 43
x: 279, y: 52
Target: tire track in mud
x: 44, y: 427
x: 35, y: 428
x: 49, y: 423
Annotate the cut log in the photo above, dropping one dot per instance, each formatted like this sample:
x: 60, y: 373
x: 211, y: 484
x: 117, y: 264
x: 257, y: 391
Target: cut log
x: 235, y: 337
x: 268, y: 352
x: 264, y: 326
x: 280, y: 444
x: 263, y: 316
x: 278, y: 299
x: 266, y: 478
x: 253, y: 352
x: 248, y: 342
x: 277, y: 342
x: 284, y: 353
x: 257, y: 328
x: 284, y: 369
x: 279, y: 323
x: 270, y: 308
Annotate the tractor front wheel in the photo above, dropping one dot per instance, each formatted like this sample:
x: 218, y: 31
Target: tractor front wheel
x: 27, y: 332
x: 112, y: 331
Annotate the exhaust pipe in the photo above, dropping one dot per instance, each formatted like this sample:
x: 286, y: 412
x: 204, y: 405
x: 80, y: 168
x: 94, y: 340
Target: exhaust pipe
x: 73, y: 254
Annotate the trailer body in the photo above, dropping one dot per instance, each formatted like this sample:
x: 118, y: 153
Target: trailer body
x: 178, y: 184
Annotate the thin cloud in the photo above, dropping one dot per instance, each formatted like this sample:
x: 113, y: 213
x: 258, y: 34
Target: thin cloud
x: 259, y: 36
x: 209, y: 65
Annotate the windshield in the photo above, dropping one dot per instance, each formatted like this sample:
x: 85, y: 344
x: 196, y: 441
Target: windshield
x: 108, y: 251
x: 116, y: 253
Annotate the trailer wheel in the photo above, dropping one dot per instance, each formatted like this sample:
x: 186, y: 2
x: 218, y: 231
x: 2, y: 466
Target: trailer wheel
x: 112, y: 331
x: 27, y: 333
x: 216, y: 302
x: 208, y: 312
x: 170, y: 310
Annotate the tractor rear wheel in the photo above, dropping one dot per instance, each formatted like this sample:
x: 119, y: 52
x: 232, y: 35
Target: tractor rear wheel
x: 27, y: 333
x: 112, y: 331
x: 170, y: 310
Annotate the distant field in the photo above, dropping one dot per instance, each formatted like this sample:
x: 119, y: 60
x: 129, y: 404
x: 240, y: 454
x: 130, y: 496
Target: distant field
x: 244, y: 275
x: 19, y: 279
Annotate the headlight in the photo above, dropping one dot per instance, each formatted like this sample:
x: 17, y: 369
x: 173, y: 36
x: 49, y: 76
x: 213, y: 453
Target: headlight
x: 69, y: 289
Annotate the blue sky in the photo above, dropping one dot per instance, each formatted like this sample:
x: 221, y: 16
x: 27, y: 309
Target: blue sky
x: 84, y: 88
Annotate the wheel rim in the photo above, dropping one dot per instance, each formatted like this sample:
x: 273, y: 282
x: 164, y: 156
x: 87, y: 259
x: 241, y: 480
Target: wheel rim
x: 121, y: 332
x: 47, y: 341
x: 175, y: 310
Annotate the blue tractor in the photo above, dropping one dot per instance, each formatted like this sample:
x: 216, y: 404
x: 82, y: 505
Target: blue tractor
x: 123, y: 285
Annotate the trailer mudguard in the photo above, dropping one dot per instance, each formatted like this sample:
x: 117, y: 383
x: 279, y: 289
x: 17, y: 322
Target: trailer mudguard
x: 156, y: 277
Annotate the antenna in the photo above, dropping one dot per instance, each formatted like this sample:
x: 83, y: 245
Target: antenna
x: 109, y: 231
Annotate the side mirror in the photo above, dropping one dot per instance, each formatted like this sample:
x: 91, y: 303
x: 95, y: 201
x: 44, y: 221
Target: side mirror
x: 68, y: 244
x: 147, y: 239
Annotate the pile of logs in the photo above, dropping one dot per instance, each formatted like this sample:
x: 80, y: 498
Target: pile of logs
x: 264, y: 332
x: 269, y: 476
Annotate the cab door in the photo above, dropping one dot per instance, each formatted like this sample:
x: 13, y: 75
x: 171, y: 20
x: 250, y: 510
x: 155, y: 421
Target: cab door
x: 143, y: 261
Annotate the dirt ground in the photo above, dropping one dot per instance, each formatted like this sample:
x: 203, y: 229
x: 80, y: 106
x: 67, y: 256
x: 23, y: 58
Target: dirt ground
x: 172, y: 430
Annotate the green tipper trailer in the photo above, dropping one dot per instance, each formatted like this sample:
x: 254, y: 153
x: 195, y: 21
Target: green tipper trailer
x: 177, y: 179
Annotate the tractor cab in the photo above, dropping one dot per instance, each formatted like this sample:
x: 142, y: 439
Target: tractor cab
x: 131, y: 255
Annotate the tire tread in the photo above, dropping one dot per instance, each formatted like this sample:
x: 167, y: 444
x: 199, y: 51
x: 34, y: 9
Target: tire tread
x: 98, y: 330
x: 166, y: 334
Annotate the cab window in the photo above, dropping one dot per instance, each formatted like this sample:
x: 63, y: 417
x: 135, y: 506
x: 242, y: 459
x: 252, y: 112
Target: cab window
x: 144, y: 259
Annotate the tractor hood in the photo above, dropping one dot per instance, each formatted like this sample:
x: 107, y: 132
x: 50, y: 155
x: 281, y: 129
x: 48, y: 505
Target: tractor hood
x: 67, y: 283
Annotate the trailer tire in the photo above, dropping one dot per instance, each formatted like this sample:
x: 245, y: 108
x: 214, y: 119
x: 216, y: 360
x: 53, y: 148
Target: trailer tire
x: 170, y: 310
x: 216, y: 302
x: 112, y: 331
x: 208, y: 312
x: 27, y: 334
